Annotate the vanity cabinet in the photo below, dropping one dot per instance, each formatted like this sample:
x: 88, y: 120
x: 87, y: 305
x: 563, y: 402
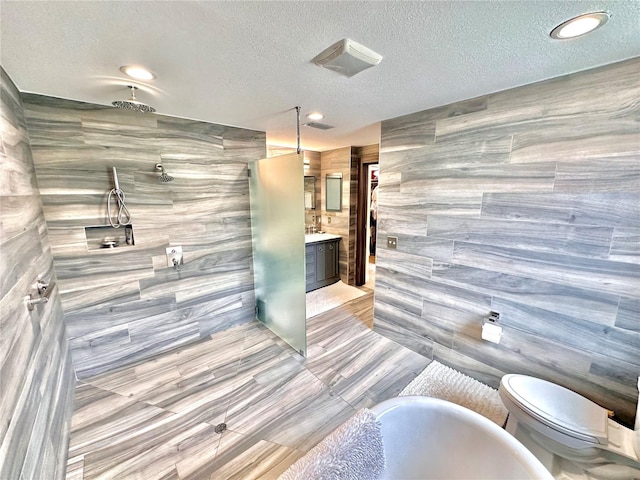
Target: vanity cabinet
x: 322, y: 263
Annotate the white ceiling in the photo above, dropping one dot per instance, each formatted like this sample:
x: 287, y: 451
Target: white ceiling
x: 248, y: 64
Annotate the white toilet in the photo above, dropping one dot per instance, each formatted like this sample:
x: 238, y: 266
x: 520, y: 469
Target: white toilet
x: 572, y: 436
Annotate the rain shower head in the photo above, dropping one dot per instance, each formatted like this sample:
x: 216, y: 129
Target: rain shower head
x: 164, y: 178
x: 133, y: 104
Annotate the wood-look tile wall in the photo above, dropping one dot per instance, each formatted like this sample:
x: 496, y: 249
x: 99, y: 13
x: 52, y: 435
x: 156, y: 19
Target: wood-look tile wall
x: 343, y: 223
x: 36, y: 374
x: 125, y: 304
x: 526, y: 202
x: 369, y: 153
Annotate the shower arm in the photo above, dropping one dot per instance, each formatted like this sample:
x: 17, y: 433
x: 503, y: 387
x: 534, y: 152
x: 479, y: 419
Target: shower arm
x: 298, y: 125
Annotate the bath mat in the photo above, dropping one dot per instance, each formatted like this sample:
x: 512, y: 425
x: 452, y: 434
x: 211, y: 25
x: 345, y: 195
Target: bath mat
x: 354, y: 450
x: 332, y: 296
x: 440, y: 381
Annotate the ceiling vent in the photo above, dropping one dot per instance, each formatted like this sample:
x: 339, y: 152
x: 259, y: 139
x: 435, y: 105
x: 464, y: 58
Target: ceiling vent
x: 318, y: 125
x: 347, y: 58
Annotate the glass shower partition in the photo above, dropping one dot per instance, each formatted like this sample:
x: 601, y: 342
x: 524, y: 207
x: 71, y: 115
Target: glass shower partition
x: 276, y: 187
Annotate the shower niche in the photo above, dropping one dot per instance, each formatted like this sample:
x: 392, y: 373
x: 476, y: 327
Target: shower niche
x: 107, y: 237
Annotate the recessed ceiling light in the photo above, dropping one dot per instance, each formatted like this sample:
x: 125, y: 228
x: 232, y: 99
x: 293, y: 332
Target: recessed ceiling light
x: 315, y: 116
x: 579, y: 25
x: 137, y: 72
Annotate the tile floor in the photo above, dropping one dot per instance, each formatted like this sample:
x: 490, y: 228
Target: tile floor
x: 157, y: 419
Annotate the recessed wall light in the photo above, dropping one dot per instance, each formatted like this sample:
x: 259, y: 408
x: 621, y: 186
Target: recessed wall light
x: 315, y: 116
x: 579, y: 25
x: 137, y: 72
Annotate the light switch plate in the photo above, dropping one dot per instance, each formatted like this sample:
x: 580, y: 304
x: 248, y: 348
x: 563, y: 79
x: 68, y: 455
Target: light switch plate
x: 392, y: 242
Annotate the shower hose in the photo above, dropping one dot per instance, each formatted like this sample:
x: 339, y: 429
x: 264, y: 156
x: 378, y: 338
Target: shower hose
x: 123, y: 217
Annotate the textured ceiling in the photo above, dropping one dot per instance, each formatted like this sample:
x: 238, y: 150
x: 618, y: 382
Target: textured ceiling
x: 248, y: 63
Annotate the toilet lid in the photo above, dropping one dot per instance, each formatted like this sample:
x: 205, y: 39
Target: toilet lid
x: 558, y: 408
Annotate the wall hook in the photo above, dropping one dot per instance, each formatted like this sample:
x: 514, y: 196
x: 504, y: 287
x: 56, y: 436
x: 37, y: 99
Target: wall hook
x: 42, y: 294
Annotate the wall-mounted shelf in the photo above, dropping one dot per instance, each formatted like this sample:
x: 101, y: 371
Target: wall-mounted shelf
x: 106, y: 237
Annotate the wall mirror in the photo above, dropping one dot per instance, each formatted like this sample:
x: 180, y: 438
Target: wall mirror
x: 333, y: 183
x: 310, y: 192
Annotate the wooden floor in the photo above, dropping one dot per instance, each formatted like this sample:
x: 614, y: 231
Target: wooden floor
x: 157, y: 420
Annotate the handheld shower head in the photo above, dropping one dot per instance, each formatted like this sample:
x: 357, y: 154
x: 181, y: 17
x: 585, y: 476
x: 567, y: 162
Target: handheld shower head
x: 132, y: 103
x: 164, y: 178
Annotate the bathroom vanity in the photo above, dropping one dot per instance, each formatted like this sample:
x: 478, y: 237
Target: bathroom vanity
x: 322, y: 259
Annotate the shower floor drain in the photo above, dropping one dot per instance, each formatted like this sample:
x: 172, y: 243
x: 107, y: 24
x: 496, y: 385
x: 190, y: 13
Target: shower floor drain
x: 221, y: 427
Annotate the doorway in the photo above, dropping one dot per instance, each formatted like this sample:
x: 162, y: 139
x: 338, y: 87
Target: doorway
x: 367, y: 219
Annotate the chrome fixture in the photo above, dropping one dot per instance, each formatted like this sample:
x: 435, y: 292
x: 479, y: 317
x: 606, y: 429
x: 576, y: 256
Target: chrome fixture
x: 164, y: 178
x: 133, y: 104
x: 123, y: 217
x: 174, y: 257
x: 42, y: 294
x: 298, y: 128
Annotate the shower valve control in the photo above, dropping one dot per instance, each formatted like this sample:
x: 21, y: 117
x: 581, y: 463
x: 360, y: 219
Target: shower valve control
x: 174, y: 256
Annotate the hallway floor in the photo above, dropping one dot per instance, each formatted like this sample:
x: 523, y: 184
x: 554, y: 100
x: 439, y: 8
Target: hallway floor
x: 157, y: 419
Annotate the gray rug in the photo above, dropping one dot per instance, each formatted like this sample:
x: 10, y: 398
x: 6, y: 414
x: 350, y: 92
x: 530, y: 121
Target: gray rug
x: 440, y: 381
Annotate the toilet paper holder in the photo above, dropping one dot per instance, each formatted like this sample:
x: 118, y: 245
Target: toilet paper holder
x: 493, y: 317
x: 491, y: 331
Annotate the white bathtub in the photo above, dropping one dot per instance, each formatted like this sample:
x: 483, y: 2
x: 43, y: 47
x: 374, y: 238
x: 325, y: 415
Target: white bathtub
x: 427, y: 438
